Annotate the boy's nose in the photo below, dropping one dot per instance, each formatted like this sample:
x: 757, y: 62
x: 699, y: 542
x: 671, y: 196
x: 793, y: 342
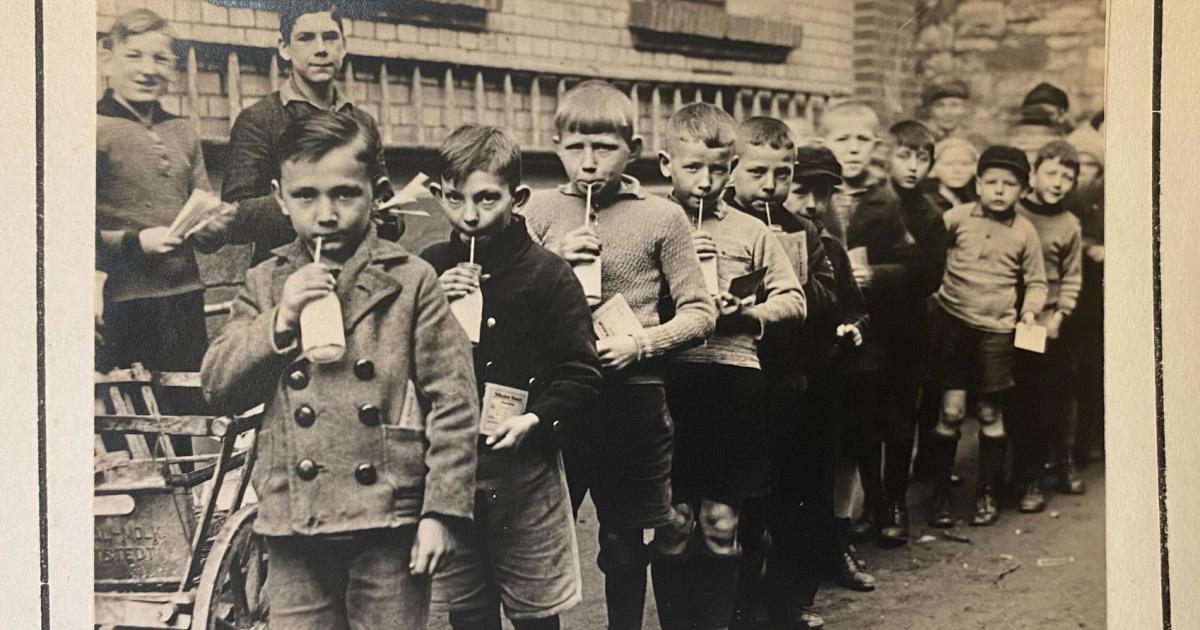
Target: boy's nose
x: 470, y: 214
x: 588, y: 161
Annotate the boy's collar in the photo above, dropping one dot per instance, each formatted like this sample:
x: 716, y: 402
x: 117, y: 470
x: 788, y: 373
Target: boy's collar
x: 1007, y: 217
x: 109, y: 106
x: 288, y: 94
x: 630, y: 188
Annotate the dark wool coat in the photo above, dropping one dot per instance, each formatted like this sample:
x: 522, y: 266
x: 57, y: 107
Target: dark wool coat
x: 378, y: 439
x: 537, y: 333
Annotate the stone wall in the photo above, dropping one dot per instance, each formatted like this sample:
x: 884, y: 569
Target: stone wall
x: 1001, y: 48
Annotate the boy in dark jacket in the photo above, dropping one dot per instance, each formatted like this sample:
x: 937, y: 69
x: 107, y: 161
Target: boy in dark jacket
x: 312, y: 40
x: 536, y: 337
x: 367, y: 460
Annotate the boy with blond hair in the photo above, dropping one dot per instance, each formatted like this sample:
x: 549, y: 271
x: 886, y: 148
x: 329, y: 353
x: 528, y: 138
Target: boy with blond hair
x: 622, y: 454
x: 716, y: 392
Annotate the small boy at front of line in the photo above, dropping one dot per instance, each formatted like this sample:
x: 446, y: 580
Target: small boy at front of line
x: 357, y: 495
x: 716, y: 392
x: 1041, y: 410
x: 952, y: 179
x: 992, y: 251
x: 536, y: 337
x: 621, y: 453
x: 148, y: 163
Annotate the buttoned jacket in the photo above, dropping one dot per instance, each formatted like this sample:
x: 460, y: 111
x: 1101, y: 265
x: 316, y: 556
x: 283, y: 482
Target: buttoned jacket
x: 378, y: 439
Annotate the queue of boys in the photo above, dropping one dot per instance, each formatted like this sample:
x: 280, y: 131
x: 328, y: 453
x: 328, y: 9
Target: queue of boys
x: 722, y: 440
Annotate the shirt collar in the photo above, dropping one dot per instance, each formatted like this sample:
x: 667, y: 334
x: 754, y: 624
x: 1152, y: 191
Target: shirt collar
x: 630, y: 188
x: 289, y: 94
x: 1007, y: 217
x: 108, y: 105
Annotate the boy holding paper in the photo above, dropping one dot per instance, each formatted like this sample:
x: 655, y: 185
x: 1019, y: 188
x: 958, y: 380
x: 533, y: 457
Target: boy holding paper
x: 149, y: 164
x: 716, y: 392
x: 992, y: 251
x: 1042, y: 398
x: 536, y: 344
x: 622, y: 453
x: 367, y: 461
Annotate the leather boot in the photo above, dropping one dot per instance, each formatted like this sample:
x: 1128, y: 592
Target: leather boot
x: 942, y: 450
x: 992, y: 453
x: 1069, y: 481
x: 1033, y: 500
x: 844, y: 569
x: 673, y: 589
x: 893, y: 528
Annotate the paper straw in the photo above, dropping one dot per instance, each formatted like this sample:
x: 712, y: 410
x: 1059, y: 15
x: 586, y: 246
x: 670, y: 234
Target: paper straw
x: 768, y: 206
x: 700, y: 214
x: 317, y: 255
x: 587, y: 209
x: 471, y: 259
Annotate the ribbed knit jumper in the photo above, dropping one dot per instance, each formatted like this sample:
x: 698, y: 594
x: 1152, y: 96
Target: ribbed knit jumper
x: 647, y: 253
x: 1062, y: 244
x: 746, y: 244
x: 990, y: 255
x: 145, y: 172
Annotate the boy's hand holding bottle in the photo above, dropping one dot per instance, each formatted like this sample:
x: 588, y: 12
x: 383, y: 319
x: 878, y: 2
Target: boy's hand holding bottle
x: 580, y: 245
x: 704, y: 244
x: 457, y: 282
x: 308, y: 284
x: 852, y: 332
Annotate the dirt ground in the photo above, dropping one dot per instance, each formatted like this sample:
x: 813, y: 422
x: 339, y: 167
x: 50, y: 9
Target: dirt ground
x: 1043, y: 571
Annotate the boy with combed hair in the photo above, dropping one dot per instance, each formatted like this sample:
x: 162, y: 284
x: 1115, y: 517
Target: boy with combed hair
x: 992, y: 251
x: 622, y: 454
x: 366, y: 461
x: 521, y: 550
x: 760, y: 185
x: 1041, y: 420
x: 716, y: 392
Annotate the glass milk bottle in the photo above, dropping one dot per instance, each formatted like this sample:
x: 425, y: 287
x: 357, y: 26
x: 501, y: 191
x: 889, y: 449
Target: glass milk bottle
x: 589, y: 272
x: 322, y: 336
x: 468, y: 309
x: 708, y: 262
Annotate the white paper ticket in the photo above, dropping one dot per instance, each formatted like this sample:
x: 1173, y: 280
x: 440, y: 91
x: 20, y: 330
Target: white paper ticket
x: 500, y: 402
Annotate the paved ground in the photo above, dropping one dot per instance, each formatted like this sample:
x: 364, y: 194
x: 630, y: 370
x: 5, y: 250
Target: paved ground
x: 1043, y: 571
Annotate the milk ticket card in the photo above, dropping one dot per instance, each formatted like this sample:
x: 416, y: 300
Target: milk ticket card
x: 1031, y: 338
x: 615, y: 318
x: 500, y: 402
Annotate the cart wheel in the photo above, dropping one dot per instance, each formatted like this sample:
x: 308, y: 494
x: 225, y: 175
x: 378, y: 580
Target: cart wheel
x: 230, y: 595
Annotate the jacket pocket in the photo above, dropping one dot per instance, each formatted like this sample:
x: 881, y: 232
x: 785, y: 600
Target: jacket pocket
x: 404, y: 453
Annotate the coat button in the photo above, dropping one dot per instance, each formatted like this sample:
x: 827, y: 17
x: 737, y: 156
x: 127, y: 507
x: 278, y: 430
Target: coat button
x: 365, y: 474
x: 489, y: 364
x: 491, y: 322
x: 556, y: 426
x: 298, y: 378
x: 532, y: 381
x: 305, y: 416
x: 306, y: 469
x: 364, y: 369
x: 369, y: 415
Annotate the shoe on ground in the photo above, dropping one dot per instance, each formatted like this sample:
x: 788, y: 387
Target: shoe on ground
x: 791, y: 616
x: 894, y: 532
x: 1069, y: 481
x: 939, y: 510
x: 1033, y: 500
x: 865, y: 528
x: 808, y: 618
x: 987, y: 512
x: 847, y: 573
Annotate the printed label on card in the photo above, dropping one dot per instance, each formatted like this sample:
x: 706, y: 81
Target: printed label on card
x: 1031, y: 338
x: 500, y: 402
x: 615, y: 318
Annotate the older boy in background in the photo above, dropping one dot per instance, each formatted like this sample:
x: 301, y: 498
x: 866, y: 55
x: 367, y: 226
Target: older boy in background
x: 622, y: 454
x: 312, y: 40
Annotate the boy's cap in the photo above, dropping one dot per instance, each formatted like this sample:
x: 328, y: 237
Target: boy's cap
x: 1005, y: 157
x: 944, y: 89
x: 1035, y: 116
x: 1047, y: 94
x: 817, y: 161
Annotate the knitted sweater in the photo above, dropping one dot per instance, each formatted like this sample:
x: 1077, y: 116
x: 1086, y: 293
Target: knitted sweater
x: 746, y: 244
x: 989, y: 256
x: 647, y: 256
x: 144, y: 175
x: 1061, y: 238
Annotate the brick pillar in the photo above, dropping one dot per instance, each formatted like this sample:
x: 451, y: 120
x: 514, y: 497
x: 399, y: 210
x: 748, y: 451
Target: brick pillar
x: 884, y: 31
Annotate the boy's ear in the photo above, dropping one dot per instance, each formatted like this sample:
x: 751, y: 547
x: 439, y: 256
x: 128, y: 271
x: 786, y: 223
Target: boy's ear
x: 664, y: 164
x: 436, y: 190
x: 284, y: 51
x: 277, y: 192
x: 521, y: 195
x: 556, y: 139
x: 635, y: 147
x: 733, y: 163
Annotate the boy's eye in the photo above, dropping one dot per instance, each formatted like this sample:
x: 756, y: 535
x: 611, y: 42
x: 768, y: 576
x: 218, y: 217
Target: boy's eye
x: 487, y: 199
x: 331, y: 36
x: 306, y: 194
x: 454, y: 198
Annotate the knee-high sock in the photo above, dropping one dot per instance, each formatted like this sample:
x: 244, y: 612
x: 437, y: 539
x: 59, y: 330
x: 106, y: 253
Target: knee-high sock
x: 942, y: 449
x: 870, y: 472
x: 715, y: 584
x: 992, y: 453
x: 623, y: 559
x: 897, y: 456
x: 674, y: 585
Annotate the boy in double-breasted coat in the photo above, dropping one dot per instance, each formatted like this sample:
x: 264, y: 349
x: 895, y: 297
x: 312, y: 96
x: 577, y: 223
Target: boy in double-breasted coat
x: 366, y: 461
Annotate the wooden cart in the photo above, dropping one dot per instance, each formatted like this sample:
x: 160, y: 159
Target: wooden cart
x: 173, y: 541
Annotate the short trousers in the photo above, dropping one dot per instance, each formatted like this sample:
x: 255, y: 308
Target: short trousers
x: 350, y: 582
x: 878, y: 406
x: 719, y: 412
x: 521, y: 550
x: 621, y: 454
x: 968, y: 359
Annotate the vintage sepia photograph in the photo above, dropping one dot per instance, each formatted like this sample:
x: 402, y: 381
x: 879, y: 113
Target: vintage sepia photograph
x: 540, y: 314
